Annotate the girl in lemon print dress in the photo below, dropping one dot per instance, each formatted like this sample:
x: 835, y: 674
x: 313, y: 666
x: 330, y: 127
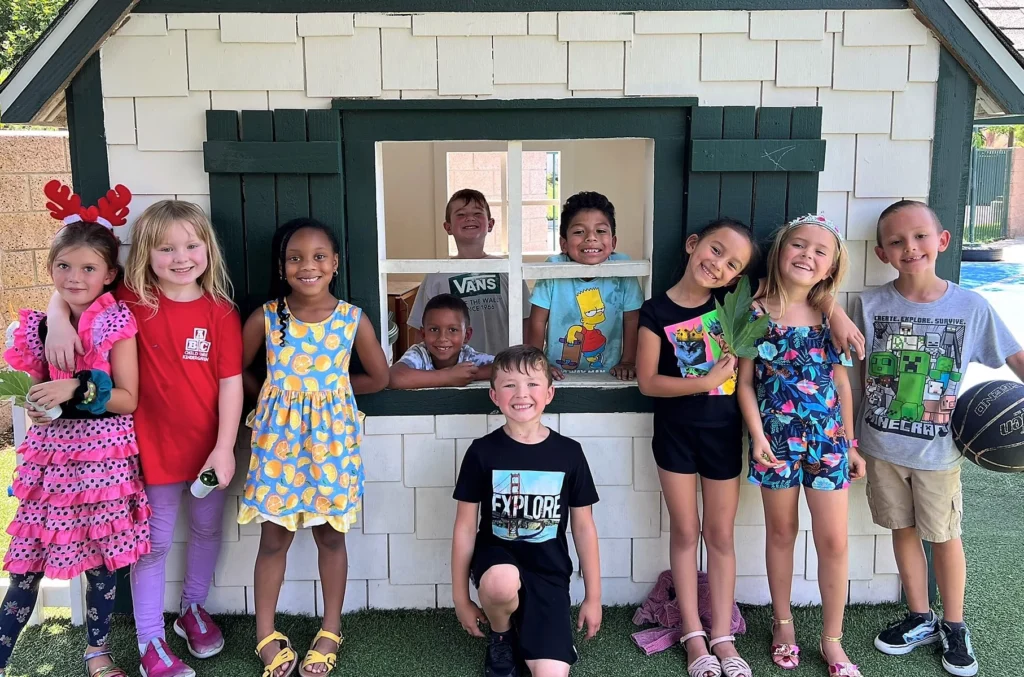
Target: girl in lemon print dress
x: 305, y: 469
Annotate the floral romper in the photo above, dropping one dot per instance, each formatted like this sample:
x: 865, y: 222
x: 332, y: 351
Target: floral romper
x: 799, y: 405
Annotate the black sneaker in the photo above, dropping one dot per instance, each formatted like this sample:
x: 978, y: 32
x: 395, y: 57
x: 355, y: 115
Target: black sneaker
x: 905, y: 635
x: 501, y: 655
x: 957, y: 652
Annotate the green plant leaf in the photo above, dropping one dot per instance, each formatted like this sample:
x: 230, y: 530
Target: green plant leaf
x: 739, y: 329
x: 14, y: 384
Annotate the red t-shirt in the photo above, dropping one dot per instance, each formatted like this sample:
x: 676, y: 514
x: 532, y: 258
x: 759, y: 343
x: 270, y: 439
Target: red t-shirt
x: 185, y: 349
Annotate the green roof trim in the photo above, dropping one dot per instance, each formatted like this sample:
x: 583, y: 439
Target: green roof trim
x: 66, y: 60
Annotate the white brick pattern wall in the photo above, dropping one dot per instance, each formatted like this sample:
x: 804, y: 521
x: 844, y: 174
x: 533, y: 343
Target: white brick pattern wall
x: 873, y: 73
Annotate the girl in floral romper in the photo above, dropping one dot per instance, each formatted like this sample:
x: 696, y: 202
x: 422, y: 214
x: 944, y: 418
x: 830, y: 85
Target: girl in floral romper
x: 81, y: 504
x: 795, y: 397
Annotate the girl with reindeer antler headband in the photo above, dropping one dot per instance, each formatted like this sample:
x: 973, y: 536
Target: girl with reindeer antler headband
x: 190, y: 403
x: 81, y: 507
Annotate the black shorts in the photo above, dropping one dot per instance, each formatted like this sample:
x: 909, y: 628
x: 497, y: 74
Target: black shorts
x: 543, y: 620
x: 715, y: 453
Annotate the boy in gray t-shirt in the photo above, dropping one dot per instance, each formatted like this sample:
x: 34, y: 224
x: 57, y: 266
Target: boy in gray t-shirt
x: 467, y: 218
x: 921, y: 333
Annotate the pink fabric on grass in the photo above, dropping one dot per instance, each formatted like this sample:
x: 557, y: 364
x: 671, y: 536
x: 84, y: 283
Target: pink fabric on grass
x: 661, y: 608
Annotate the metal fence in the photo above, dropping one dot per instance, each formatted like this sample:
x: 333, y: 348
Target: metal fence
x: 988, y: 201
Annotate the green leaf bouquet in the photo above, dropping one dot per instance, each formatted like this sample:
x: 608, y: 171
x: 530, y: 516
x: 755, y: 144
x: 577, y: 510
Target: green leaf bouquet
x: 739, y: 331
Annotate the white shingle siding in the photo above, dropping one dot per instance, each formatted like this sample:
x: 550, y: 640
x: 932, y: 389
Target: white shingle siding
x: 873, y: 73
x: 787, y: 25
x: 144, y: 24
x: 247, y: 27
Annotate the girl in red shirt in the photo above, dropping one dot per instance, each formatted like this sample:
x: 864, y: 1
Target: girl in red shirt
x: 190, y: 404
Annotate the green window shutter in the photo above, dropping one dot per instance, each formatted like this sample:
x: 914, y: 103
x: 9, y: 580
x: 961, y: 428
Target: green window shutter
x: 267, y: 168
x: 757, y: 165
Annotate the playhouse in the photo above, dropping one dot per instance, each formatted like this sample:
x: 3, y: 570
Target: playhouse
x: 366, y: 114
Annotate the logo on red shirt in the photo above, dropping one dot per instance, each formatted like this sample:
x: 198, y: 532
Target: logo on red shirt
x: 197, y: 348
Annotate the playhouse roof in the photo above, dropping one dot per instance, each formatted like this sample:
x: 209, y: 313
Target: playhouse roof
x: 984, y: 35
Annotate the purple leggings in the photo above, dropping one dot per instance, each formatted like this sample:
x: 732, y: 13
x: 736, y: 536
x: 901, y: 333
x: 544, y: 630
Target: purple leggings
x: 204, y: 539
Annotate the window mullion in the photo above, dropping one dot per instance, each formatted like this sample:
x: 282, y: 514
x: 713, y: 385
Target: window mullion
x: 514, y: 230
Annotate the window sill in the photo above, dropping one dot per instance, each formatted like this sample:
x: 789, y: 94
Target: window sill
x: 577, y: 393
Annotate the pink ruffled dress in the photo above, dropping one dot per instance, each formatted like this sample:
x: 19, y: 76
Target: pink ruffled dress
x: 80, y: 488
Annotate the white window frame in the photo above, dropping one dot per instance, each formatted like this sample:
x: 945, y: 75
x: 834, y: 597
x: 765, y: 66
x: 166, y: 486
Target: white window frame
x: 514, y: 265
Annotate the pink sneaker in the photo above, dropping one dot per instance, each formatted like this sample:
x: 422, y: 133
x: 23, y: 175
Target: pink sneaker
x: 158, y: 661
x: 201, y: 634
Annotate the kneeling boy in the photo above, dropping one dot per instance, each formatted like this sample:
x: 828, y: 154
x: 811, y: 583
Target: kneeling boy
x: 444, y: 358
x: 527, y: 481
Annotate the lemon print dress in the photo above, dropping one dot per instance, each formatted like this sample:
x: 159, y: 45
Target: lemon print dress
x: 305, y: 469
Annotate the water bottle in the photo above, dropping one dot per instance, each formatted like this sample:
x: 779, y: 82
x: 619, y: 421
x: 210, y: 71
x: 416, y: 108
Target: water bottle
x: 206, y: 483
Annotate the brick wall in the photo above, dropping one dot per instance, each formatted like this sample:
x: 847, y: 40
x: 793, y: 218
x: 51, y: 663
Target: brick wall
x: 27, y: 161
x: 1015, y: 219
x: 872, y: 72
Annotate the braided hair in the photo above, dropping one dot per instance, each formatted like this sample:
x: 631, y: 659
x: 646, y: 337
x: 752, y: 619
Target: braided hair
x: 279, y: 287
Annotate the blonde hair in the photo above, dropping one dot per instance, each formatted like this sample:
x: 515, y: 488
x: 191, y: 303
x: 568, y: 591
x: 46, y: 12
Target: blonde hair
x: 824, y: 292
x: 147, y: 234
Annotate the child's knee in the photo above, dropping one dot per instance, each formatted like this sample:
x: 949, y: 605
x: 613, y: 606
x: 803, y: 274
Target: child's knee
x: 275, y: 542
x: 327, y: 538
x: 783, y: 531
x: 548, y: 668
x: 685, y: 535
x: 831, y: 545
x: 500, y: 584
x: 719, y: 537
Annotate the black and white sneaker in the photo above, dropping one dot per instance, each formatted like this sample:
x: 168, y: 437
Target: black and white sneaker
x: 501, y: 655
x: 957, y: 652
x: 905, y: 635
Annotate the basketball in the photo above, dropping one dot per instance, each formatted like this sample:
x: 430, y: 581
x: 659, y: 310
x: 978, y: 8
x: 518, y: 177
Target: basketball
x: 988, y: 425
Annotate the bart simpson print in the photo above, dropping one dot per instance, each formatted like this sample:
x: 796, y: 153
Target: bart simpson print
x: 584, y: 342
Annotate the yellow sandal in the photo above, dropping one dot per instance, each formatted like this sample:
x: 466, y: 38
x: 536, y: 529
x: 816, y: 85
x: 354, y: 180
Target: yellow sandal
x: 285, y: 655
x: 314, y: 657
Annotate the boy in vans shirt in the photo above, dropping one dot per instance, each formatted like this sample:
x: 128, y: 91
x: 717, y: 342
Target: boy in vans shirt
x: 589, y: 324
x: 443, y: 358
x: 922, y: 332
x: 467, y: 218
x: 526, y: 482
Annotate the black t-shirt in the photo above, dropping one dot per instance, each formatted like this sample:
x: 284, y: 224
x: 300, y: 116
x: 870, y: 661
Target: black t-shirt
x: 525, y: 492
x: 690, y: 346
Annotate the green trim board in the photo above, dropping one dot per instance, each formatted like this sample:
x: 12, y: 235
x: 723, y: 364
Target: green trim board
x: 513, y: 104
x: 66, y: 61
x: 999, y: 120
x: 272, y: 157
x: 502, y: 5
x: 87, y: 138
x: 757, y: 155
x: 951, y: 153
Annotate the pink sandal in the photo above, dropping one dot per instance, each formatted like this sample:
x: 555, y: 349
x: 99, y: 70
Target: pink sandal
x: 786, y: 656
x: 732, y: 666
x: 837, y: 669
x: 703, y: 666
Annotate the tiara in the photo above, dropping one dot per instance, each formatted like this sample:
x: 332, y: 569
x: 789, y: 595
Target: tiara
x: 110, y: 210
x: 816, y: 220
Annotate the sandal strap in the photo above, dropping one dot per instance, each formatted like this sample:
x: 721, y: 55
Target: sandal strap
x: 272, y: 637
x: 110, y: 671
x: 284, y: 655
x: 98, y: 654
x: 704, y: 666
x: 722, y: 640
x: 314, y: 657
x: 325, y: 634
x: 734, y: 666
x: 826, y: 638
x: 785, y: 650
x: 782, y: 621
x: 691, y: 635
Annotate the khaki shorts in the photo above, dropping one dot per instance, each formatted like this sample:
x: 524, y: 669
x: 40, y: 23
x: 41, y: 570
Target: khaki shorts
x: 930, y: 500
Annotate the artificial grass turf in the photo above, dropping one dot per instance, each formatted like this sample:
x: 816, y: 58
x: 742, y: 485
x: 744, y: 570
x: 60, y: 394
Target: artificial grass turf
x: 412, y: 643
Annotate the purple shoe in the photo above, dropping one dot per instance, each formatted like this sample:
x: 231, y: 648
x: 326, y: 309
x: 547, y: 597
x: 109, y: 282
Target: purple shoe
x: 158, y: 661
x: 201, y: 634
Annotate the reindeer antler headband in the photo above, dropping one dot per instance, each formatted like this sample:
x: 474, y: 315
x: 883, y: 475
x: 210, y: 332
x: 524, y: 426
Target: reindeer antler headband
x: 110, y: 210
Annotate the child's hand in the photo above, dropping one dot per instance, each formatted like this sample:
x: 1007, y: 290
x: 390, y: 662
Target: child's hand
x: 858, y: 468
x: 624, y: 371
x: 761, y: 452
x: 557, y: 373
x: 38, y: 417
x: 222, y: 460
x: 62, y: 344
x: 462, y: 373
x: 52, y: 393
x: 590, y: 614
x: 470, y: 616
x: 845, y: 334
x: 724, y: 369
